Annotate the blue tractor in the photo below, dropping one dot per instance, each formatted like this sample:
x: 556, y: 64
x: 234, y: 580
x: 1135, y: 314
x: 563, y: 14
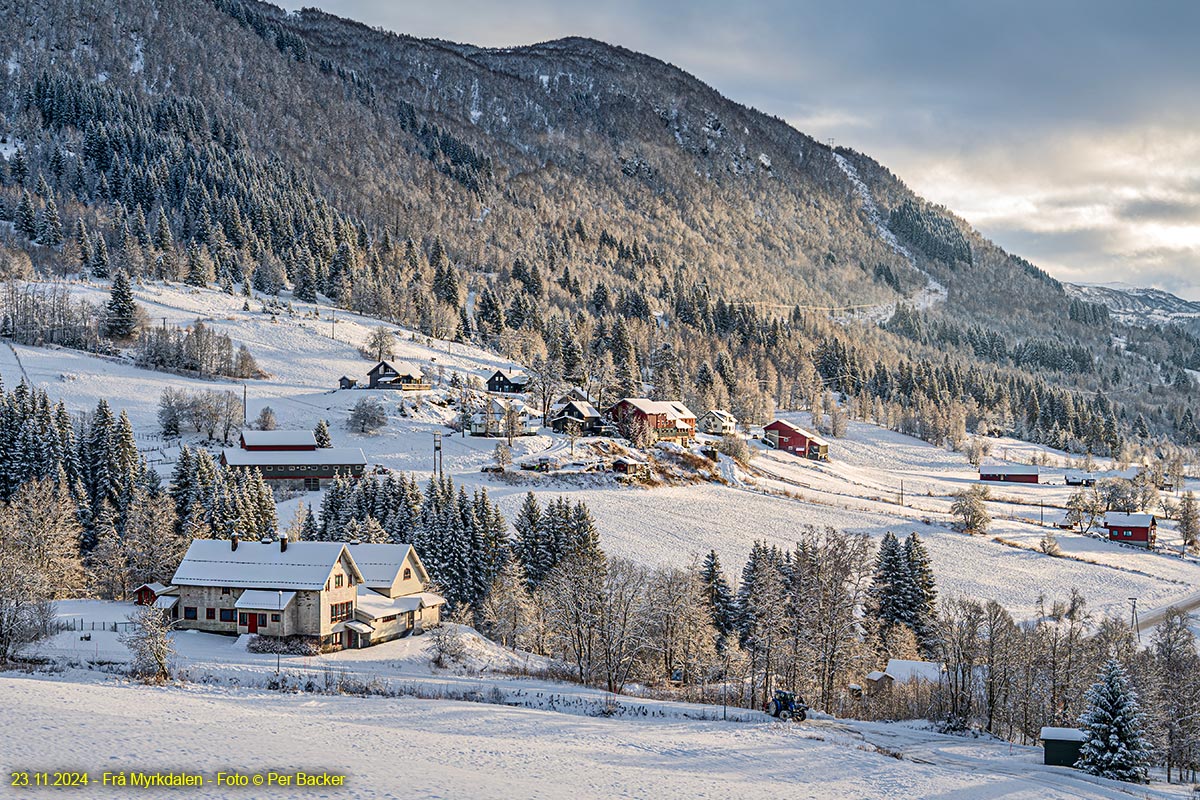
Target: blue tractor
x: 786, y: 706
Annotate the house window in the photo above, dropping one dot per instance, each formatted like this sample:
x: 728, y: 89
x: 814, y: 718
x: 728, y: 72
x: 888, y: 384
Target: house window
x: 189, y: 612
x: 274, y: 618
x: 242, y: 618
x: 407, y: 573
x: 337, y: 581
x: 262, y: 620
x: 228, y: 615
x: 210, y: 613
x: 340, y: 611
x: 224, y: 590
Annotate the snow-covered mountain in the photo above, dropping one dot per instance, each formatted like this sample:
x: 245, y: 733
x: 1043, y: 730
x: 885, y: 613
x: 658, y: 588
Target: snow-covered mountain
x: 1136, y: 305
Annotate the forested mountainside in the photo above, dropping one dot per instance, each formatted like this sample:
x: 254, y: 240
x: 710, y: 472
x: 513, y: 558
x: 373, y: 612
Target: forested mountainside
x: 585, y: 210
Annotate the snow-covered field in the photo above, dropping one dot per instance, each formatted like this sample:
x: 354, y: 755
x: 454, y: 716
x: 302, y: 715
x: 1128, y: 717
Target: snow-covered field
x: 391, y: 748
x: 858, y: 489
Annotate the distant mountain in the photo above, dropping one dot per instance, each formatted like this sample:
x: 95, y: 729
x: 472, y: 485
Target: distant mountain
x: 568, y: 200
x: 1139, y: 306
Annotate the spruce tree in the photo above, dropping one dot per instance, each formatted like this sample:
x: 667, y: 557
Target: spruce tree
x: 121, y: 319
x: 530, y: 551
x: 321, y: 434
x: 99, y: 265
x: 920, y: 592
x: 26, y: 219
x: 718, y: 596
x: 50, y: 232
x: 1116, y: 747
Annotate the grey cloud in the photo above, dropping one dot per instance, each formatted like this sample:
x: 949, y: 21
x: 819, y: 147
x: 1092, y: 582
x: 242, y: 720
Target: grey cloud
x: 977, y: 105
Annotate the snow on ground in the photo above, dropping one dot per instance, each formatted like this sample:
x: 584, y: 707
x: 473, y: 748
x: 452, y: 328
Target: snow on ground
x: 858, y: 489
x: 422, y: 749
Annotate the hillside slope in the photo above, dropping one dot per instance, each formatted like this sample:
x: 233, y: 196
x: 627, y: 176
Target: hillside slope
x: 525, y: 197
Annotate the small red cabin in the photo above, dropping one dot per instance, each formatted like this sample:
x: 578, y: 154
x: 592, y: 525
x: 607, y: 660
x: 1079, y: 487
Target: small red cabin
x: 783, y: 435
x: 1009, y: 473
x: 1136, y: 529
x: 147, y: 593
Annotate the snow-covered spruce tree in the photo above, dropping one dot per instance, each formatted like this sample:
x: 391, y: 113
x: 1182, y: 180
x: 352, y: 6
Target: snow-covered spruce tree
x: 120, y: 318
x: 50, y: 232
x: 1115, y: 746
x: 149, y: 643
x: 722, y: 606
x: 887, y: 585
x: 321, y: 434
x: 920, y: 592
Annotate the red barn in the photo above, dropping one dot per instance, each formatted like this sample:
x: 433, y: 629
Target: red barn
x: 1009, y: 473
x: 1138, y: 529
x: 783, y: 435
x: 147, y: 593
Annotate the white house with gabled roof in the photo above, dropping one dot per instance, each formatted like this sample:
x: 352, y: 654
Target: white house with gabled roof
x: 312, y: 589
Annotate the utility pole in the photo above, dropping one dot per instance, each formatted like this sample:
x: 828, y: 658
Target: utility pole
x: 1133, y: 618
x: 437, y: 453
x: 333, y: 324
x: 1042, y: 504
x: 245, y: 413
x: 901, y: 492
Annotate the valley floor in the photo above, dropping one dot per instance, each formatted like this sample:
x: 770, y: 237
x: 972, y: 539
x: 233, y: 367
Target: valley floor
x: 391, y: 748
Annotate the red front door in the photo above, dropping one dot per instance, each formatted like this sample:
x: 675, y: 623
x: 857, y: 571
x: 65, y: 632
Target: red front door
x: 252, y: 623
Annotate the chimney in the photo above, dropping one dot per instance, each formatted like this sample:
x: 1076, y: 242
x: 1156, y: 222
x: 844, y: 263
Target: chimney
x: 233, y: 542
x: 283, y: 542
x: 355, y: 541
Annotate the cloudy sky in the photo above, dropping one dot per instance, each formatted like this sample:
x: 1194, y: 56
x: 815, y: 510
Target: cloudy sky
x: 1067, y: 131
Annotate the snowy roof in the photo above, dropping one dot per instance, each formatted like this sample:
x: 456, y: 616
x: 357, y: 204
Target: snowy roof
x: 279, y: 439
x: 1063, y: 735
x: 512, y: 375
x: 360, y: 627
x: 304, y: 565
x: 1114, y: 520
x: 720, y: 414
x: 401, y: 368
x: 342, y: 456
x: 265, y: 599
x: 874, y: 675
x: 629, y: 460
x: 167, y: 601
x: 672, y: 409
x: 155, y: 587
x: 584, y: 408
x: 376, y: 606
x: 1008, y: 469
x: 807, y: 434
x: 379, y: 563
x: 903, y: 671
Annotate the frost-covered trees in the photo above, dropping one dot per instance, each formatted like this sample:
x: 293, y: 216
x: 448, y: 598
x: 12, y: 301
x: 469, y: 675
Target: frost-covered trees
x: 150, y: 646
x: 903, y: 590
x: 120, y: 320
x: 321, y: 434
x: 1188, y: 517
x: 265, y: 421
x: 970, y: 510
x: 1116, y: 747
x: 507, y: 610
x: 367, y: 416
x: 380, y: 344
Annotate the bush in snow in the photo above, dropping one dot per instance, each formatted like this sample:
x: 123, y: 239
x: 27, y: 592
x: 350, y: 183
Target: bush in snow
x: 736, y: 447
x: 266, y: 419
x: 368, y: 415
x: 1115, y: 747
x: 149, y: 643
x: 970, y: 512
x: 288, y: 646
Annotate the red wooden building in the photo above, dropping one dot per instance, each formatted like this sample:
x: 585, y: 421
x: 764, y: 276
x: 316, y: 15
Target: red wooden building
x: 1009, y: 473
x: 1137, y: 529
x: 783, y: 435
x: 667, y: 420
